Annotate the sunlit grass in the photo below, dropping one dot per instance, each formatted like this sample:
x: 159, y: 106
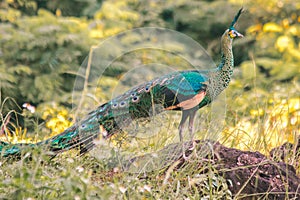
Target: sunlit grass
x: 92, y: 176
x: 57, y: 119
x: 273, y: 125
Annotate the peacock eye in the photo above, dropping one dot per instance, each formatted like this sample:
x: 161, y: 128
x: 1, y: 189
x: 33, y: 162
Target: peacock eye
x: 135, y: 99
x: 122, y: 104
x: 133, y: 94
x: 147, y: 88
x: 115, y: 105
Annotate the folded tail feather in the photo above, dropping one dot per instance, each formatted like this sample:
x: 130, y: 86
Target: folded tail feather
x: 8, y: 149
x: 80, y: 135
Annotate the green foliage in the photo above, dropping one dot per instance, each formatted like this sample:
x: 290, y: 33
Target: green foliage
x: 68, y: 177
x: 13, y: 8
x: 41, y: 50
x: 65, y: 8
x: 73, y: 8
x: 276, y: 52
x: 44, y: 180
x: 270, y: 71
x: 38, y: 50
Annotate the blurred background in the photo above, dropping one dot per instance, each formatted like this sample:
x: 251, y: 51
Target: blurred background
x: 44, y: 43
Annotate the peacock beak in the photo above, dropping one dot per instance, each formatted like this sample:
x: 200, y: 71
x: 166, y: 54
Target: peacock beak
x: 238, y: 34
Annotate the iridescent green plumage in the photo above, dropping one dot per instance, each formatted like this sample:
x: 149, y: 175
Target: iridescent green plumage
x: 185, y: 90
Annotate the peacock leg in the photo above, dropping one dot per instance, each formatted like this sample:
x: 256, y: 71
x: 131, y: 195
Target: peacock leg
x: 185, y: 115
x: 192, y: 115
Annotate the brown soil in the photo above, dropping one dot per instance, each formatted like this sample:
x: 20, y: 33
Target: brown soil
x: 250, y: 175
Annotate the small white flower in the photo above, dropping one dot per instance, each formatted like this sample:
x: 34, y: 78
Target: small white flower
x: 122, y: 189
x: 80, y: 169
x: 115, y: 169
x: 147, y: 188
x: 113, y: 186
x: 76, y: 198
x: 29, y: 107
x: 70, y: 160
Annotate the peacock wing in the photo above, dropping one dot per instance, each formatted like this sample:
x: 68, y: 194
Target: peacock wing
x: 186, y: 90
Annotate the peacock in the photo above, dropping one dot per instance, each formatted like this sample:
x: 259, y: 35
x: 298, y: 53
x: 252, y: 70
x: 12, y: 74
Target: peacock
x: 185, y: 91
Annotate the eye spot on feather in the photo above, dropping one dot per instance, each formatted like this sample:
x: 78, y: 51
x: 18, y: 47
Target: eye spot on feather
x: 167, y: 82
x: 122, y: 104
x: 114, y: 105
x: 147, y: 88
x: 135, y: 99
x: 133, y: 94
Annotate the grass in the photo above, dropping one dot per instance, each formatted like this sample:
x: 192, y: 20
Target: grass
x: 98, y: 175
x: 89, y: 178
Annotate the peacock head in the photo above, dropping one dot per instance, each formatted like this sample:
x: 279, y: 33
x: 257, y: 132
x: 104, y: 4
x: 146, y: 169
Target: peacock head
x: 232, y: 33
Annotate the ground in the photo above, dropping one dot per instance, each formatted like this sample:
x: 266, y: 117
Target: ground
x: 249, y: 175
